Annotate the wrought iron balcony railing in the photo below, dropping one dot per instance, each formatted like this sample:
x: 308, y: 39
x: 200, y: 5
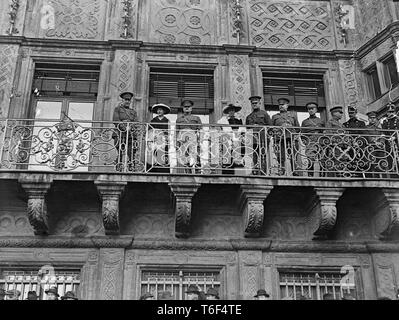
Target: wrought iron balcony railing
x: 97, y: 146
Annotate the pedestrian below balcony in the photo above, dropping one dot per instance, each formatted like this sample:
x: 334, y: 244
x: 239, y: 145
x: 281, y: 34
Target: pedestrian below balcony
x: 158, y: 136
x: 332, y: 145
x: 188, y: 139
x: 125, y: 133
x: 261, y: 294
x: 312, y: 127
x: 165, y: 295
x: 285, y: 139
x: 232, y: 146
x: 257, y: 121
x: 328, y: 296
x: 390, y: 124
x: 52, y: 293
x: 70, y: 295
x: 193, y: 292
x: 212, y: 294
x: 147, y: 296
x: 32, y: 295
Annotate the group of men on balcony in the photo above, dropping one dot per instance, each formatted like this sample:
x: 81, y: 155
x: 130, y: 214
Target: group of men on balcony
x: 284, y: 133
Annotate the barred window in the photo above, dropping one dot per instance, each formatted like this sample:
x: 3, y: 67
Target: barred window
x: 313, y: 285
x: 39, y: 281
x: 177, y: 282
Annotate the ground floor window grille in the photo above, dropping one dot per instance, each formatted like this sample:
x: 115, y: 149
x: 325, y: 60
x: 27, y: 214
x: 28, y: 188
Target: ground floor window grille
x: 314, y: 285
x: 40, y: 281
x: 177, y: 282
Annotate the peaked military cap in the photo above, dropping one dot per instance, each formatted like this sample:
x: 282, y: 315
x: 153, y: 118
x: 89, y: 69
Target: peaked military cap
x: 127, y: 94
x: 283, y: 99
x: 309, y: 105
x: 337, y: 109
x: 187, y: 101
x: 255, y: 98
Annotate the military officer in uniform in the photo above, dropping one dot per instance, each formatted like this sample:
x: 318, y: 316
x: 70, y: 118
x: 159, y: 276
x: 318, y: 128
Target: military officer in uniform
x: 354, y: 122
x: 284, y: 119
x: 313, y: 125
x: 256, y: 121
x: 331, y: 144
x: 188, y: 128
x: 392, y: 120
x: 124, y: 133
x: 336, y: 115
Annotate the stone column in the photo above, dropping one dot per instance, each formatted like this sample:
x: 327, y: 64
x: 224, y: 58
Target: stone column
x: 387, y: 218
x: 323, y: 211
x: 251, y: 205
x: 184, y: 193
x: 110, y: 193
x: 36, y: 190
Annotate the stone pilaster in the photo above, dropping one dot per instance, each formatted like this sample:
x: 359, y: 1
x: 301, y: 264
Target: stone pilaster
x: 387, y: 220
x: 323, y: 211
x: 36, y: 190
x: 251, y: 205
x: 184, y: 193
x: 110, y: 194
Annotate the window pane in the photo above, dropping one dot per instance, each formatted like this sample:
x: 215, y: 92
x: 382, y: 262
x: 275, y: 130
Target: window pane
x: 391, y: 70
x: 375, y: 83
x: 48, y: 110
x: 81, y: 110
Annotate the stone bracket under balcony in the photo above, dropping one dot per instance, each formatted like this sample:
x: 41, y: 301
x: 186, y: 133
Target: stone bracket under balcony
x: 36, y: 188
x: 110, y: 193
x: 323, y: 211
x: 251, y: 205
x: 182, y: 206
x: 387, y: 220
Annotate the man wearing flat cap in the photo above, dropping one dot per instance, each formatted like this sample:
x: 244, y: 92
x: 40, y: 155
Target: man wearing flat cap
x: 52, y: 293
x: 256, y: 121
x: 32, y: 295
x: 159, y: 138
x: 392, y: 120
x: 125, y: 131
x: 285, y: 120
x: 261, y: 294
x: 334, y: 123
x: 188, y: 140
x: 311, y: 127
x: 192, y: 292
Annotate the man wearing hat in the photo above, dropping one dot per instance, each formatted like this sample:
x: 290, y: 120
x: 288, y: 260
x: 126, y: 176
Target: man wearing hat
x: 70, y: 295
x: 32, y: 295
x: 261, y: 294
x: 147, y: 296
x: 354, y: 122
x: 212, y: 294
x: 159, y: 156
x: 125, y: 132
x: 284, y: 119
x: 192, y: 292
x: 311, y: 127
x: 188, y: 128
x: 52, y: 293
x: 392, y: 120
x: 257, y: 120
x: 233, y: 149
x: 334, y: 123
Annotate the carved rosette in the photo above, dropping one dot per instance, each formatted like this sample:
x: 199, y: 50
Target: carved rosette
x: 324, y: 213
x: 388, y: 221
x: 184, y: 193
x: 110, y: 194
x: 251, y: 205
x: 37, y: 207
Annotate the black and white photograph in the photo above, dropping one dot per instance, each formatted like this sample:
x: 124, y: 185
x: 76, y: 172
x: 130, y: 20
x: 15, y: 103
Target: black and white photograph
x: 176, y: 150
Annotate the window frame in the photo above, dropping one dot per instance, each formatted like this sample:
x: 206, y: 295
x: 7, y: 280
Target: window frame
x: 386, y: 72
x: 372, y: 82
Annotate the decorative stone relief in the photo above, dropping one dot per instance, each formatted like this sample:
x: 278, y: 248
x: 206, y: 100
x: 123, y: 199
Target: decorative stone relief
x: 37, y: 206
x: 240, y: 83
x: 386, y: 281
x: 291, y: 25
x: 189, y: 22
x: 184, y: 193
x: 284, y: 228
x: 125, y: 79
x: 8, y: 56
x: 387, y: 220
x: 348, y: 74
x: 111, y: 274
x: 110, y: 194
x: 76, y: 19
x: 323, y: 214
x: 251, y: 205
x: 14, y: 6
x: 82, y: 224
x: 250, y: 277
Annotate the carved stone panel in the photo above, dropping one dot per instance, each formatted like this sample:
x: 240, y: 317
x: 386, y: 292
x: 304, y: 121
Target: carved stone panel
x: 72, y: 19
x: 116, y: 27
x: 291, y: 25
x: 348, y: 76
x: 8, y: 60
x: 111, y: 274
x: 191, y: 22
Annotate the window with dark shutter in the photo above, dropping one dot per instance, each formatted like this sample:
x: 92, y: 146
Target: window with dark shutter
x: 172, y: 86
x: 373, y: 82
x: 390, y: 71
x: 298, y: 88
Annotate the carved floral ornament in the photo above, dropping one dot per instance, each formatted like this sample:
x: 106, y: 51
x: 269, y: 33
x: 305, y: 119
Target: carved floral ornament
x: 14, y: 6
x: 345, y: 18
x: 237, y: 19
x: 127, y: 19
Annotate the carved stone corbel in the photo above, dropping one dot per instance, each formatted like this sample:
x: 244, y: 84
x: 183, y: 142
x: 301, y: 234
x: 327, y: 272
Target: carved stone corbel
x: 387, y: 219
x: 323, y: 211
x: 182, y: 206
x: 110, y: 193
x: 37, y: 207
x: 251, y: 205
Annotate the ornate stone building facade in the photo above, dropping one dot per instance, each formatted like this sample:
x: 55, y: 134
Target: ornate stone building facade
x: 112, y: 235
